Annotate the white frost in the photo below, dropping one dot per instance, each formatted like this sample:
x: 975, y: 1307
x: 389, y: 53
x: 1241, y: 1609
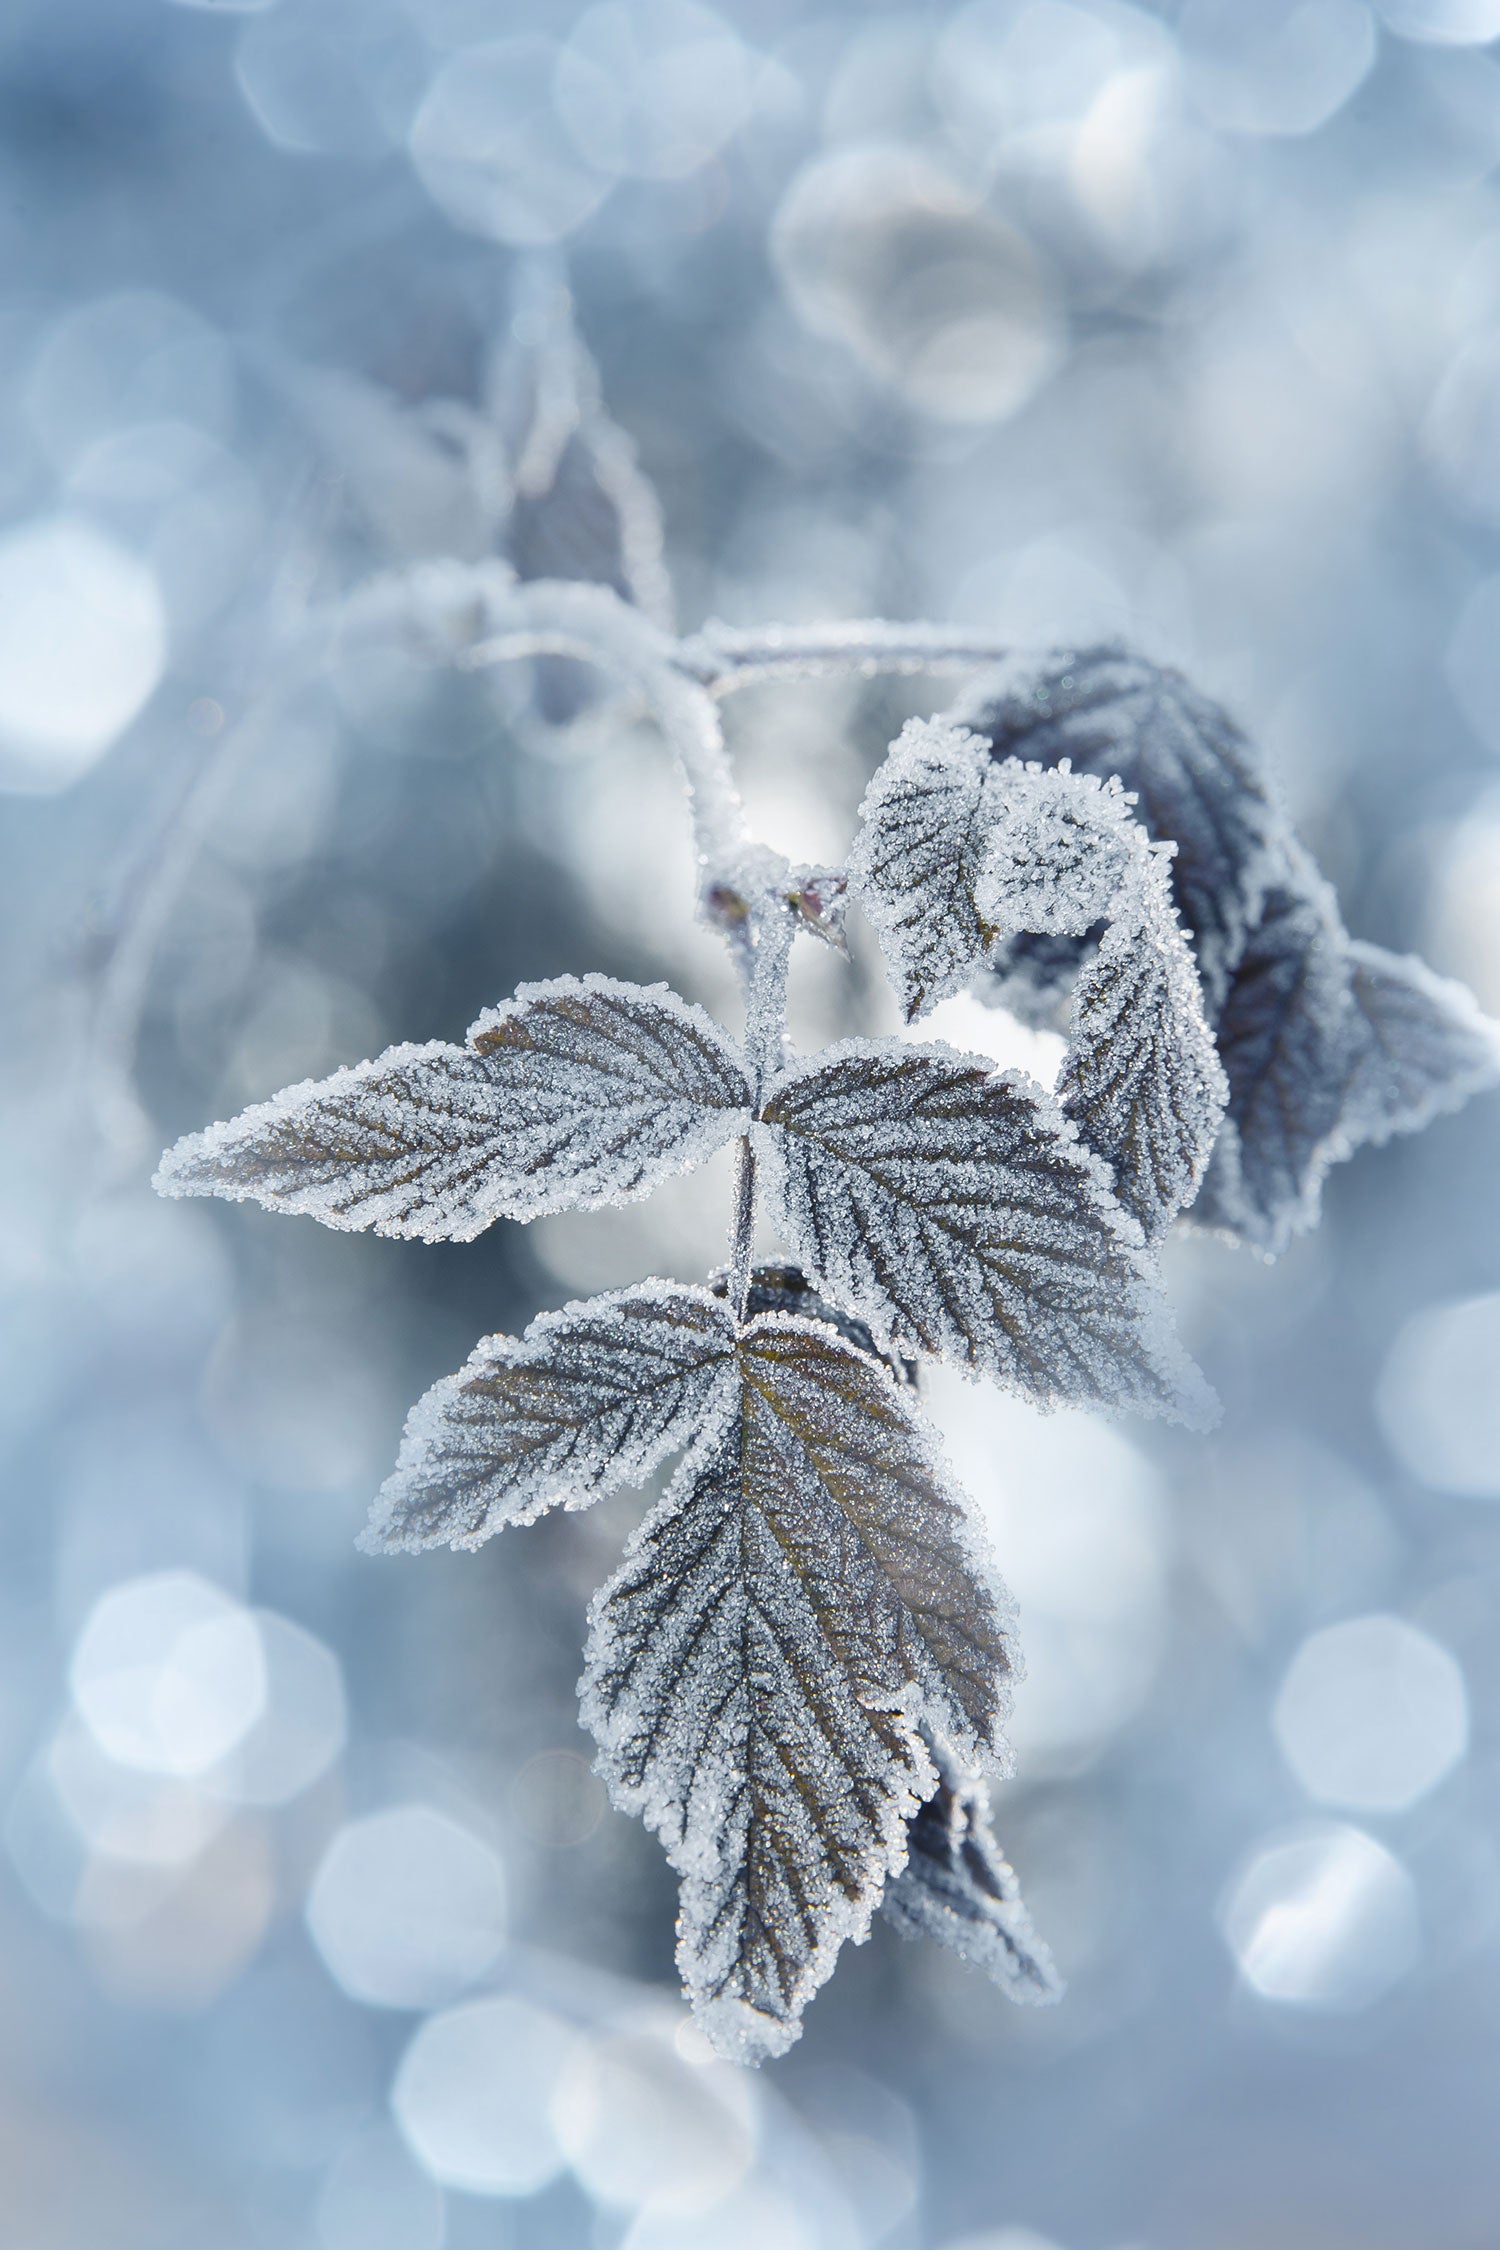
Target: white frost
x: 924, y: 827
x: 807, y: 1595
x: 576, y: 1093
x: 956, y: 1209
x: 1142, y: 1078
x: 1056, y: 853
x: 589, y: 1398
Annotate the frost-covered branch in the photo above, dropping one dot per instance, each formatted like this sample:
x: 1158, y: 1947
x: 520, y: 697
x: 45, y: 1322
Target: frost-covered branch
x: 726, y: 657
x: 557, y: 617
x: 800, y: 1674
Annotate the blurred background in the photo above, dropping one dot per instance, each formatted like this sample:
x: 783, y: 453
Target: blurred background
x: 1051, y: 318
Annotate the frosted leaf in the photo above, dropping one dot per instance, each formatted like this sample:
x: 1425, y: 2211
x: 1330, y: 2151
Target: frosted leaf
x: 1056, y: 855
x: 576, y: 1093
x: 1286, y: 1037
x: 1196, y: 779
x: 955, y: 1208
x: 958, y: 1887
x: 1142, y: 1079
x: 589, y: 1398
x: 583, y: 508
x: 758, y: 1671
x: 923, y: 830
x: 596, y: 519
x: 1421, y: 1045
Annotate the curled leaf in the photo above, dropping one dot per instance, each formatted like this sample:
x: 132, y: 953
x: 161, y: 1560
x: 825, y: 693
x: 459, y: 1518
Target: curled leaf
x: 1142, y: 1078
x: 958, y: 1887
x: 1287, y: 1040
x: 1057, y: 853
x: 1421, y: 1045
x: 576, y: 1093
x: 924, y: 829
x: 1195, y: 778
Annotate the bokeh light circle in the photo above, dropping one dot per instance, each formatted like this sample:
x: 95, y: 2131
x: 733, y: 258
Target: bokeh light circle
x: 1324, y: 1918
x: 1372, y: 1714
x: 407, y: 1908
x: 83, y: 644
x: 474, y: 2093
x: 1438, y: 1399
x: 168, y: 1674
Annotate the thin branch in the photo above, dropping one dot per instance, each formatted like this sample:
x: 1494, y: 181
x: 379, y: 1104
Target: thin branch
x: 558, y: 617
x: 723, y: 657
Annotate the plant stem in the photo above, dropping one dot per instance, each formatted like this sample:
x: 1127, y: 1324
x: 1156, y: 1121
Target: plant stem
x: 722, y: 657
x: 773, y: 929
x: 742, y: 1236
x: 556, y: 617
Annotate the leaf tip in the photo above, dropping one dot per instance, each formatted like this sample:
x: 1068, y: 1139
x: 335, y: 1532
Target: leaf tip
x: 1196, y: 1404
x: 741, y: 2034
x: 174, y: 1175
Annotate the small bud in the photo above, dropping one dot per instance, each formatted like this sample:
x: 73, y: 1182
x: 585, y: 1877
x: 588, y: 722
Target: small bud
x: 820, y: 895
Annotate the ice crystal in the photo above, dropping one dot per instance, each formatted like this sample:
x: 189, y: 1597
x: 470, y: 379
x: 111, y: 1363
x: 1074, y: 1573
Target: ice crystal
x: 1056, y: 854
x: 759, y: 1672
x: 958, y: 1887
x: 955, y: 1209
x: 576, y: 1093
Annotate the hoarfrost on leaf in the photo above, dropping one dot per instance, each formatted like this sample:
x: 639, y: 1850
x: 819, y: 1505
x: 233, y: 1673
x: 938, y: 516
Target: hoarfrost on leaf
x: 958, y: 1887
x: 803, y: 1665
x: 589, y: 1398
x: 955, y: 1208
x: 1195, y: 778
x: 1421, y: 1045
x: 1057, y: 853
x: 804, y: 1600
x: 1286, y: 1040
x: 1141, y: 1078
x: 576, y: 1093
x: 1329, y: 1044
x: 924, y: 827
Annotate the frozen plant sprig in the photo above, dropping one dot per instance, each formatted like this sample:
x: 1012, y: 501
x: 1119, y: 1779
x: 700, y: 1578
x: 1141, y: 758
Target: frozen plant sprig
x: 800, y: 1675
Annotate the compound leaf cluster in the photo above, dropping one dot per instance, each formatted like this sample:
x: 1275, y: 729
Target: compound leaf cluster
x: 799, y: 1675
